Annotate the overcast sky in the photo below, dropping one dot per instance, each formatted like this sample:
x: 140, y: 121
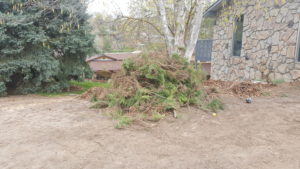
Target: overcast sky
x: 108, y: 6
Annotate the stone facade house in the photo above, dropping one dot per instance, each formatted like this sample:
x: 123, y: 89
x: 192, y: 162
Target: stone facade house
x: 256, y: 41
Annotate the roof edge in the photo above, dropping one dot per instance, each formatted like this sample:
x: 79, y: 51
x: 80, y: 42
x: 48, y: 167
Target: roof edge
x: 212, y: 10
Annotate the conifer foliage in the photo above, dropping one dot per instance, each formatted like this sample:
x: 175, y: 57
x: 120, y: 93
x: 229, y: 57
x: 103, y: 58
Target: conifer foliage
x: 43, y: 44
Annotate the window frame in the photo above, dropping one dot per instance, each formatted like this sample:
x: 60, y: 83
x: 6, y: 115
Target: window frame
x: 298, y: 45
x: 233, y: 35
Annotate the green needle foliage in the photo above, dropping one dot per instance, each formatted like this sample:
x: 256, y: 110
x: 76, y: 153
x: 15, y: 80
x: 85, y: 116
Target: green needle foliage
x: 155, y: 84
x: 43, y: 44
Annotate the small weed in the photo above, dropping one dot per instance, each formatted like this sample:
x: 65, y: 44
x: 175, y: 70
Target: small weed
x: 94, y: 99
x: 142, y: 116
x: 215, y: 105
x: 99, y: 105
x: 157, y: 117
x: 284, y: 95
x: 266, y: 94
x: 278, y: 82
x: 122, y: 121
x: 214, y: 90
x: 177, y: 115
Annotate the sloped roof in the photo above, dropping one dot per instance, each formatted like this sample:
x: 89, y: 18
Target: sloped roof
x: 212, y: 10
x: 113, y: 56
x: 120, y: 56
x: 109, y: 65
x: 105, y: 66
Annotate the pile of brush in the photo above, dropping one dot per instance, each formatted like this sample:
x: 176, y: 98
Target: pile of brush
x: 154, y: 84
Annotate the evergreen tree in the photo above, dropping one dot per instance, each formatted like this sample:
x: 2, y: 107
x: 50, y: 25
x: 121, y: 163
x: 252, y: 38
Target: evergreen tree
x: 43, y: 44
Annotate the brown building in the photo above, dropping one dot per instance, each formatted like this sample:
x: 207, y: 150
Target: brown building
x: 104, y: 65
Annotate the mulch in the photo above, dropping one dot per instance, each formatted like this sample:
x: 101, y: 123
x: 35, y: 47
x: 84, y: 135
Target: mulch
x: 238, y: 89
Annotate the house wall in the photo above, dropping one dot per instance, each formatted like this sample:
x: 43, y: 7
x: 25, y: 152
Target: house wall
x: 269, y: 42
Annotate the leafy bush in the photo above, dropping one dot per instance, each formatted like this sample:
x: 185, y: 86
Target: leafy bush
x: 2, y: 89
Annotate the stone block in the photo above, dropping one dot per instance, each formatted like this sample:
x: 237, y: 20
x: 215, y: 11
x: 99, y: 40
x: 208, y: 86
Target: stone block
x: 297, y: 66
x: 291, y: 52
x: 282, y: 68
x: 262, y: 35
x: 295, y: 74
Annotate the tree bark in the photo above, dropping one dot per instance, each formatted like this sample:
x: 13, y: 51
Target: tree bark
x: 187, y: 25
x: 181, y: 12
x: 164, y: 21
x: 195, y: 30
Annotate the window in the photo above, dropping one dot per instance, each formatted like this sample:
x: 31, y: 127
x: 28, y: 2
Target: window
x: 238, y: 36
x: 298, y: 51
x: 298, y: 46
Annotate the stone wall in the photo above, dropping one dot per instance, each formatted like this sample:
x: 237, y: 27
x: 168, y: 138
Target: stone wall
x: 269, y: 43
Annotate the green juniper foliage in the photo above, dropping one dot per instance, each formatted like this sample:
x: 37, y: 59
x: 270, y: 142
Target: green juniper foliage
x: 43, y: 44
x: 155, y: 84
x: 215, y: 105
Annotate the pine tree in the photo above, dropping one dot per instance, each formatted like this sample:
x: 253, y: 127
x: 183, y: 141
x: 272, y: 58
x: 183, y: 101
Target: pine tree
x: 43, y: 44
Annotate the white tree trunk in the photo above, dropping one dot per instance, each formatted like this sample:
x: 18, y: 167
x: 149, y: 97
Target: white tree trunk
x: 165, y: 26
x: 178, y: 43
x: 181, y: 12
x: 195, y: 30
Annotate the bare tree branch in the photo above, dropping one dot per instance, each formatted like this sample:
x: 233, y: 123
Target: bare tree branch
x: 145, y: 21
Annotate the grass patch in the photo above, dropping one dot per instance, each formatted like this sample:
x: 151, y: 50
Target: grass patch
x: 215, y: 105
x: 266, y: 94
x: 277, y: 81
x: 99, y: 105
x: 284, y: 95
x: 84, y: 86
x: 122, y: 120
x: 94, y: 99
x: 157, y: 117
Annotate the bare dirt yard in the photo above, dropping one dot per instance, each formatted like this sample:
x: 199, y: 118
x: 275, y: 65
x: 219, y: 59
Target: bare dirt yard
x: 63, y: 133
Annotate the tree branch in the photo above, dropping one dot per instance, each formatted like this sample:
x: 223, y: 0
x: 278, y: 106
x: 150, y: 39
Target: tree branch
x: 145, y: 21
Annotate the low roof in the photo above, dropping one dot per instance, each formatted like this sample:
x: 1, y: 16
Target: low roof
x: 114, y: 56
x: 106, y: 66
x: 212, y: 10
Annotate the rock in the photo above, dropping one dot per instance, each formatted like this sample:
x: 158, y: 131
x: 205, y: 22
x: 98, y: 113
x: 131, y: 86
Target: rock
x: 279, y: 18
x: 278, y: 76
x: 295, y: 74
x: 275, y: 38
x: 291, y: 52
x: 249, y: 100
x: 287, y: 77
x: 293, y: 38
x: 286, y: 36
x: 274, y: 12
x: 275, y: 49
x: 262, y: 35
x: 282, y: 68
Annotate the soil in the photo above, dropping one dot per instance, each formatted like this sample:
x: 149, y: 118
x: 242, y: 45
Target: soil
x: 63, y: 133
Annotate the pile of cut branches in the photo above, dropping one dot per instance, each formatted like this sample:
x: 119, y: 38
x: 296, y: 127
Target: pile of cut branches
x: 154, y: 84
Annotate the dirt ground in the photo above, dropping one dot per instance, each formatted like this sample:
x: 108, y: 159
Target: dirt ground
x: 63, y: 133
